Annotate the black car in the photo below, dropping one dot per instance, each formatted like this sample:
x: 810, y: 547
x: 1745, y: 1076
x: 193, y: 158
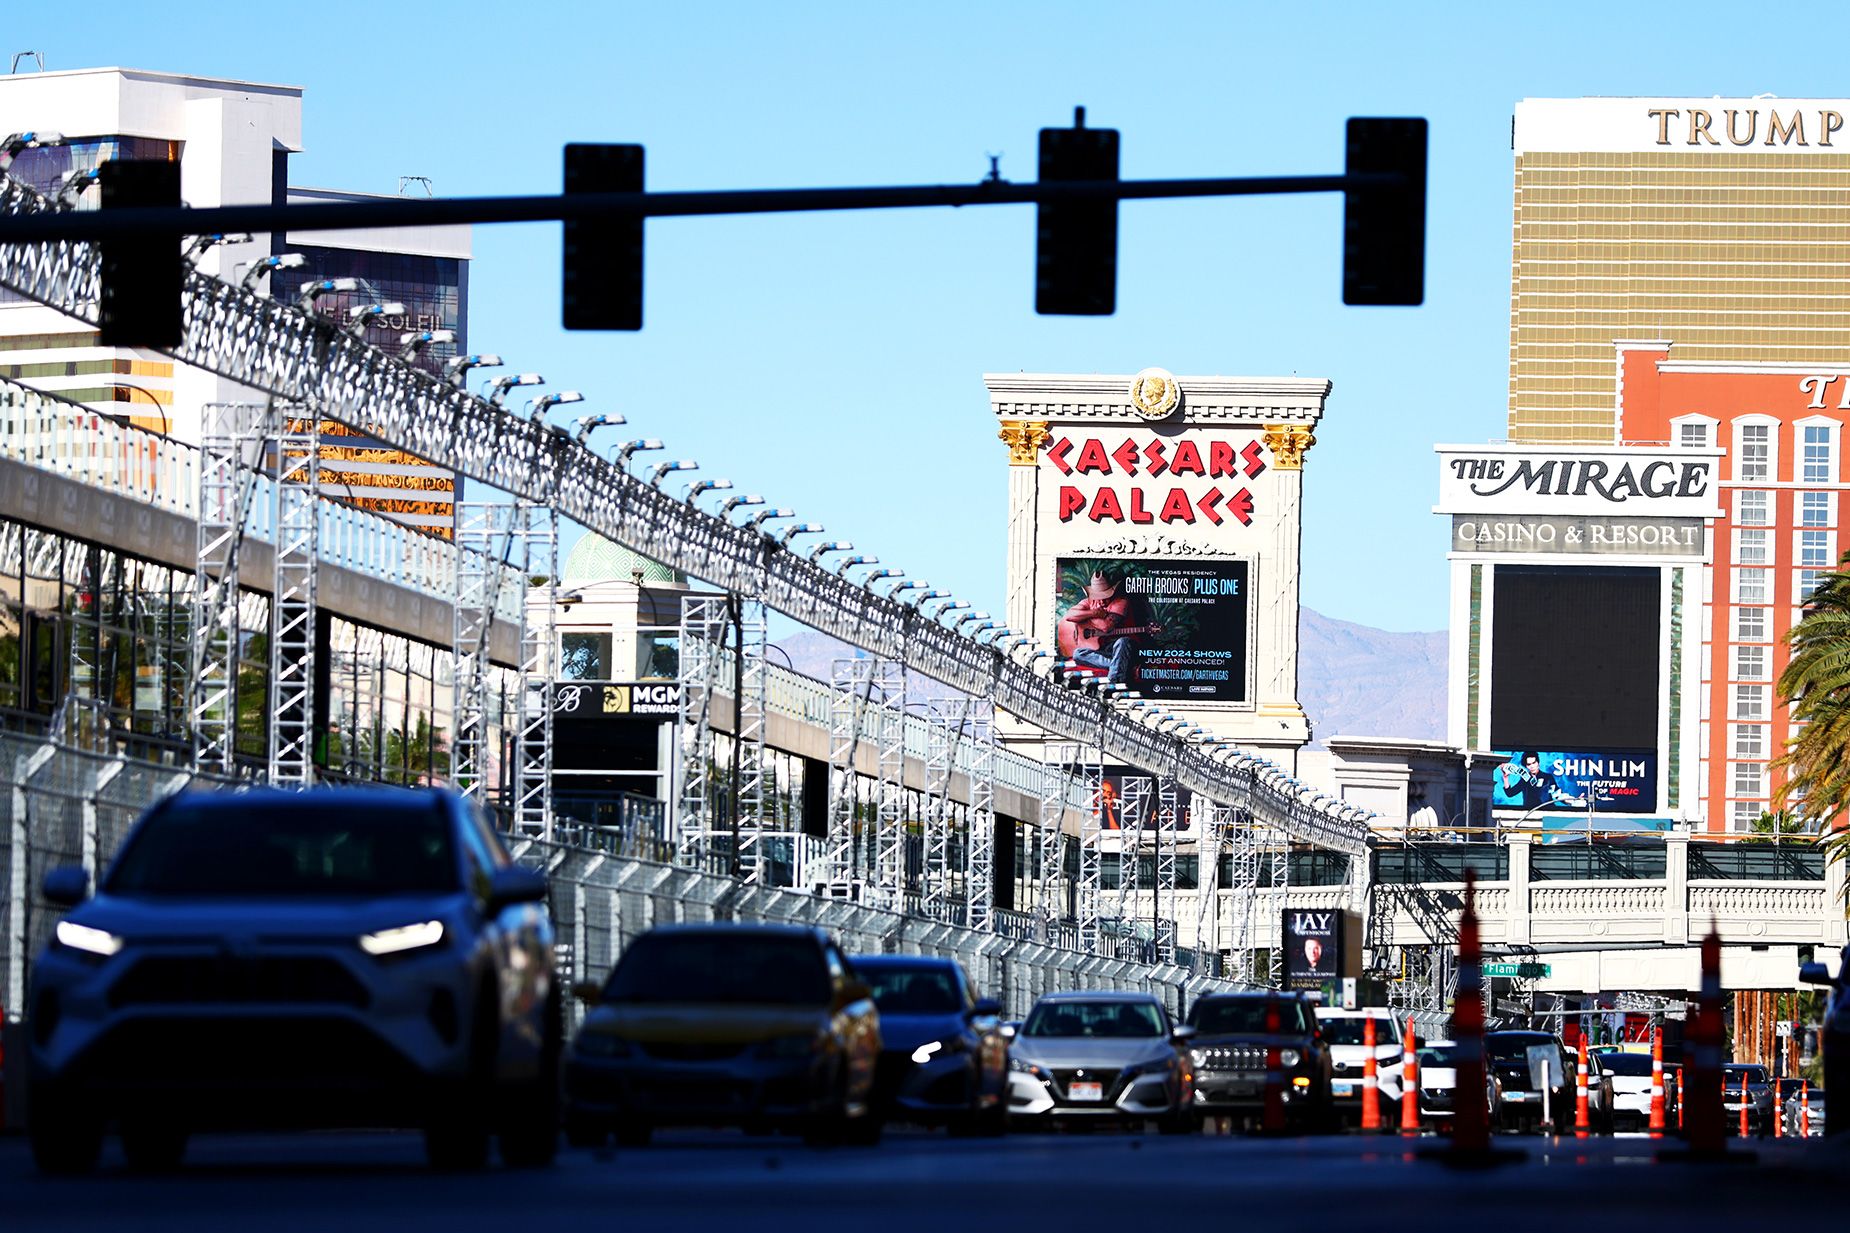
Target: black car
x: 1757, y: 1097
x: 1834, y: 1035
x: 298, y: 959
x: 767, y: 1027
x: 1518, y: 1103
x: 1229, y: 1052
x: 943, y: 1058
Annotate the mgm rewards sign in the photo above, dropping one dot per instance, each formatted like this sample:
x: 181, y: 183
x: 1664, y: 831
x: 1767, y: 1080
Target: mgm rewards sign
x: 1154, y: 534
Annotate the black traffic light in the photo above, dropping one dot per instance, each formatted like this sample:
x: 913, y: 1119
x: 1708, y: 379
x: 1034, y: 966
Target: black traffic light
x: 1384, y: 229
x: 1076, y: 242
x: 141, y: 276
x: 603, y: 256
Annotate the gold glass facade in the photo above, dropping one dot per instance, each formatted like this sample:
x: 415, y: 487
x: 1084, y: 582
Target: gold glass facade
x: 1734, y: 256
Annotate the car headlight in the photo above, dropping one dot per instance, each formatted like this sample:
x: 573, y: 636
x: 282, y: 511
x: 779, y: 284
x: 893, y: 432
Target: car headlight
x: 600, y: 1044
x: 1289, y: 1057
x: 1027, y: 1068
x: 793, y: 1046
x: 90, y: 941
x: 1152, y: 1066
x: 402, y: 938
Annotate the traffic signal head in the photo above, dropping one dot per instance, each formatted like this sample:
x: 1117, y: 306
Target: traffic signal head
x: 603, y: 255
x: 142, y: 277
x: 1076, y: 242
x: 1384, y: 227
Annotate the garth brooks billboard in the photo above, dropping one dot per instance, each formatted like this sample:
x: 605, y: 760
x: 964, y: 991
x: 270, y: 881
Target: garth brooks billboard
x: 1166, y: 628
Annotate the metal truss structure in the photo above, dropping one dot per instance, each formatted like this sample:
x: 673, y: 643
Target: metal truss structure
x: 752, y: 803
x: 538, y: 527
x: 1133, y: 801
x: 1210, y: 830
x: 1168, y: 835
x: 945, y: 730
x: 1278, y: 857
x: 702, y: 642
x: 484, y: 543
x: 292, y: 600
x: 308, y: 360
x: 1243, y: 888
x: 1088, y: 894
x: 226, y: 480
x: 867, y: 705
x: 1071, y: 767
x: 980, y: 836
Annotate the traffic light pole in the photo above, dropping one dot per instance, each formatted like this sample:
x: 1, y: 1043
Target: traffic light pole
x: 144, y: 222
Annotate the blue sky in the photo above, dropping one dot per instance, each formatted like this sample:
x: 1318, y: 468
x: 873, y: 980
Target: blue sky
x: 834, y: 362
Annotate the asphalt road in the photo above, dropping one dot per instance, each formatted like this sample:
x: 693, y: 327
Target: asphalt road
x: 350, y: 1183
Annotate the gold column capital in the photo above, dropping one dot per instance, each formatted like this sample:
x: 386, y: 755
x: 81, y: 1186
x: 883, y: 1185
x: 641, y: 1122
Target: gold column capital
x: 1288, y: 444
x: 1024, y: 439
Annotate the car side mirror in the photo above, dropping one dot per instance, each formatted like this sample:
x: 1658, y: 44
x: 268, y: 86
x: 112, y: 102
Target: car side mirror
x: 588, y: 992
x: 513, y: 885
x: 1009, y: 1030
x: 1182, y: 1032
x: 985, y: 1008
x: 1809, y: 973
x: 67, y: 885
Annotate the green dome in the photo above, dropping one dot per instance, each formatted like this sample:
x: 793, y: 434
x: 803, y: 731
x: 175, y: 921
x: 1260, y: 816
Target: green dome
x: 595, y: 559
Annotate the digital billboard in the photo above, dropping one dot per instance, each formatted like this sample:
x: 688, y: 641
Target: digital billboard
x: 1320, y: 947
x: 1575, y: 657
x: 1119, y: 782
x: 1166, y: 628
x: 1577, y: 781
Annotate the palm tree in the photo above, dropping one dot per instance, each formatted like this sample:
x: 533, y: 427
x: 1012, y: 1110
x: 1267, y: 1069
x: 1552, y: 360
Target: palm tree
x: 1816, y: 686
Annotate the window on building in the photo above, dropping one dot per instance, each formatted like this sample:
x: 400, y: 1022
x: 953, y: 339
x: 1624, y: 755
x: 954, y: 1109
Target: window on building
x: 585, y: 656
x: 1815, y: 509
x: 1749, y: 779
x: 1805, y: 582
x: 1749, y: 701
x: 1755, y: 459
x: 1749, y: 740
x: 1815, y: 457
x: 1750, y: 663
x: 1815, y: 549
x: 1693, y: 435
x: 1750, y: 586
x: 1743, y: 814
x: 1751, y: 508
x: 1750, y: 624
x: 1750, y: 546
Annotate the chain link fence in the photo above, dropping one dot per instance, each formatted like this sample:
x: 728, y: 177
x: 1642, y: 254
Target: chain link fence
x: 67, y: 799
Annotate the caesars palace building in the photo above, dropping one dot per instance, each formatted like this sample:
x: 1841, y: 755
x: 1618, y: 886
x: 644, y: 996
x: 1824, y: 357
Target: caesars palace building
x: 1625, y: 568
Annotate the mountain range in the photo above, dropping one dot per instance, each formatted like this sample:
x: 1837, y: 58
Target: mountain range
x: 1353, y: 680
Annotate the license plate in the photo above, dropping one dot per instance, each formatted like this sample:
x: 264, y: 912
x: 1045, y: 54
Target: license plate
x: 1085, y: 1091
x: 1518, y: 1096
x: 1342, y: 1089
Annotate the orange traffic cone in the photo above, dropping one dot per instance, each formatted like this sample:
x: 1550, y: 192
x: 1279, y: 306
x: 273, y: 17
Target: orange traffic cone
x: 1805, y: 1108
x: 1746, y: 1102
x: 1371, y: 1083
x: 1581, y: 1121
x: 1470, y: 1116
x: 1273, y: 1120
x: 1701, y: 1090
x: 1410, y: 1082
x: 1657, y: 1082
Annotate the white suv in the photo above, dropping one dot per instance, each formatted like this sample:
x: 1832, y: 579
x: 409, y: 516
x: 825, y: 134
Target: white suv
x: 1344, y: 1032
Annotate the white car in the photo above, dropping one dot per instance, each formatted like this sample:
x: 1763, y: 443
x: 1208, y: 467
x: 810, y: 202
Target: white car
x: 1630, y: 1077
x: 1345, y: 1032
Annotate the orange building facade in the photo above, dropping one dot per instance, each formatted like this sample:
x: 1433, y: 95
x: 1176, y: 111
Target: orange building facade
x: 1781, y: 479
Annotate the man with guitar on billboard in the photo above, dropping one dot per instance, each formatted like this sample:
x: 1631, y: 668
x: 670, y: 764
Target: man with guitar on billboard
x: 1097, y: 631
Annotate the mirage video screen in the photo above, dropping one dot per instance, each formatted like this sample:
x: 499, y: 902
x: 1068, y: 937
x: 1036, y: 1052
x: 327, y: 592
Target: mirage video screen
x: 1574, y: 658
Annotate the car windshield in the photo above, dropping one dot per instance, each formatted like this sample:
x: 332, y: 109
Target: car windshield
x: 1633, y: 1064
x: 1734, y: 1073
x: 911, y: 991
x: 322, y: 846
x: 1351, y: 1031
x: 1217, y: 1016
x: 1114, y: 1020
x: 721, y: 967
x: 1515, y: 1046
x: 1441, y: 1056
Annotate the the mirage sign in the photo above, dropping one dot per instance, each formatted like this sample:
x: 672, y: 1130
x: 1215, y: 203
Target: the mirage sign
x: 1612, y: 480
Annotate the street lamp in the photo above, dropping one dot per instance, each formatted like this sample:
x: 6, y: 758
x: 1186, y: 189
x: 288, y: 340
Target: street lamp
x: 701, y: 487
x: 456, y: 370
x: 588, y: 424
x: 630, y: 448
x: 953, y: 606
x: 875, y: 575
x: 800, y: 528
x: 76, y: 185
x: 756, y: 521
x: 197, y: 249
x: 311, y: 293
x: 363, y: 315
x: 966, y: 618
x: 411, y: 343
x: 263, y: 267
x: 829, y: 545
x: 499, y: 387
x: 18, y: 143
x: 911, y: 584
x: 731, y: 503
x: 538, y: 407
x: 848, y: 563
x: 662, y: 470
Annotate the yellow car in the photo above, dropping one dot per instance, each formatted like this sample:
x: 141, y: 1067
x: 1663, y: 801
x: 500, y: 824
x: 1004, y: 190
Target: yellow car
x: 761, y: 1026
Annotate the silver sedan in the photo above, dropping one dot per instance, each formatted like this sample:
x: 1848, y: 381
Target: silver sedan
x: 1100, y: 1057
